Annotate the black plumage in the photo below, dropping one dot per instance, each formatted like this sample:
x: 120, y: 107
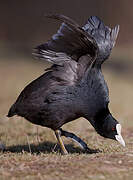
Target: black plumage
x: 74, y: 85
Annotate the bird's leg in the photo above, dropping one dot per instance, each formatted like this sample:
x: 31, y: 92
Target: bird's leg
x: 58, y: 136
x: 74, y: 138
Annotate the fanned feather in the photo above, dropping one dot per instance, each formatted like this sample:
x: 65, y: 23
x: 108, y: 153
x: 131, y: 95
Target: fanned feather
x: 70, y: 39
x: 103, y: 35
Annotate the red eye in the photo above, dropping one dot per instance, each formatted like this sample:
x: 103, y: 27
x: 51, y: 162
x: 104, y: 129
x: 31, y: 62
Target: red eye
x: 113, y: 129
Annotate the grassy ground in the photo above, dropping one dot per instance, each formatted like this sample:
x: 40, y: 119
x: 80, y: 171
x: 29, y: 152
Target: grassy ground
x: 31, y: 152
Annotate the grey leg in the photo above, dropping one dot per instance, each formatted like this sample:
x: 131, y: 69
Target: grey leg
x: 58, y: 136
x: 74, y: 138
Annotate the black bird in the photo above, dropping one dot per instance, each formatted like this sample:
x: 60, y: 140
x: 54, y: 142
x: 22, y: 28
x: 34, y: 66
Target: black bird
x: 74, y: 85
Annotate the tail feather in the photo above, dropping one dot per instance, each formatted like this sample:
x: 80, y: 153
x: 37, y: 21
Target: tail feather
x: 96, y: 28
x: 93, y: 23
x: 12, y: 111
x: 104, y: 36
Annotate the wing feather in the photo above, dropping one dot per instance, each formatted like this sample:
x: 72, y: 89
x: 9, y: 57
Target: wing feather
x: 70, y: 39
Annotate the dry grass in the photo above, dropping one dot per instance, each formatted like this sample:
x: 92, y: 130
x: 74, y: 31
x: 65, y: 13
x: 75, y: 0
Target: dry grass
x: 30, y: 150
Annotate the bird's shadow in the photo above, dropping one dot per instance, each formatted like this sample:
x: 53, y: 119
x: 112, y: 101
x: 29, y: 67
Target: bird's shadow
x: 46, y: 148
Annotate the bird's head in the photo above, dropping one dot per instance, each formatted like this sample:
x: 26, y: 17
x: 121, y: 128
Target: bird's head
x: 110, y: 128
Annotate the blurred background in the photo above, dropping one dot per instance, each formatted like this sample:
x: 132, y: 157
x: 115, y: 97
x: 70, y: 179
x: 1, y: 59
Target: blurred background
x: 23, y: 26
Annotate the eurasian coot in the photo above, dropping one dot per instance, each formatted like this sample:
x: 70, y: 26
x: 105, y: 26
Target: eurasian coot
x: 74, y: 85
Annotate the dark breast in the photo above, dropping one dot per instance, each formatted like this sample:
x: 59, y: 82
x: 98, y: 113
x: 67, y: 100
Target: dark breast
x: 95, y: 93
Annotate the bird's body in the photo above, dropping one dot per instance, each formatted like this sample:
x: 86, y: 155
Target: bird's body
x: 50, y: 103
x: 74, y: 86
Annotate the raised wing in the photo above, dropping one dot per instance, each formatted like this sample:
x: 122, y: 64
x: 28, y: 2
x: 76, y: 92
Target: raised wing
x: 70, y: 40
x: 72, y: 49
x: 104, y: 36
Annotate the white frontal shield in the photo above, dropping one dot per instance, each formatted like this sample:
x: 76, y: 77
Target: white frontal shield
x: 118, y: 137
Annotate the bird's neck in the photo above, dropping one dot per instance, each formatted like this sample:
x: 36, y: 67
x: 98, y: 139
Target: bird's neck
x: 99, y: 119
